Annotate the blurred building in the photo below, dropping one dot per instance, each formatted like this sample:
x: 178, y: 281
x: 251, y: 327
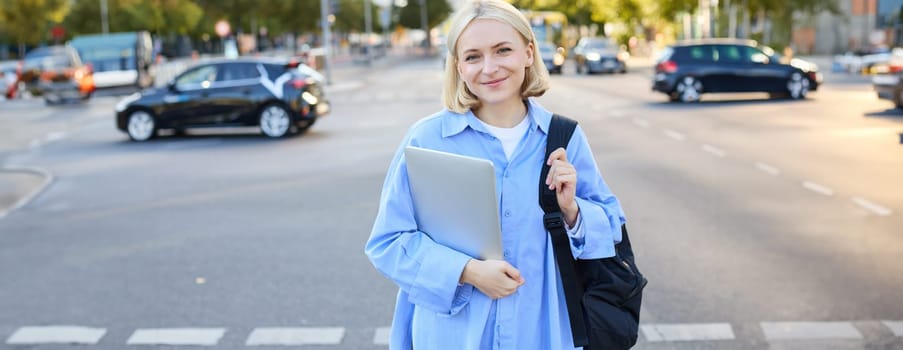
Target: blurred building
x: 862, y: 25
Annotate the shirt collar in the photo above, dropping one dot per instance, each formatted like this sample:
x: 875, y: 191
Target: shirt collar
x: 455, y: 123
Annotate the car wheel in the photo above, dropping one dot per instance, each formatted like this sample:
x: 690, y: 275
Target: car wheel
x: 689, y: 89
x: 141, y: 126
x: 797, y: 86
x: 275, y: 121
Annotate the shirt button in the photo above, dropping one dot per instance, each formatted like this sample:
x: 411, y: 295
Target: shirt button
x: 507, y: 213
x: 507, y: 253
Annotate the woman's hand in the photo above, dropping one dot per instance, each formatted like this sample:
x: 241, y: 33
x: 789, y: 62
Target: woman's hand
x: 563, y: 180
x: 495, y: 278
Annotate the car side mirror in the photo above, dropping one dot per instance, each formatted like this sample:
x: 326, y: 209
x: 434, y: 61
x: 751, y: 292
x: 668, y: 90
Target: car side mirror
x: 171, y: 86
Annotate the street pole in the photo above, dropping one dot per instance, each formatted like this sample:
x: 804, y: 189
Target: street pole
x: 104, y: 22
x: 423, y: 23
x: 368, y: 27
x: 327, y: 38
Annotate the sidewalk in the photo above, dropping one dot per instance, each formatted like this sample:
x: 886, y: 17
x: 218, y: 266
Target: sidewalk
x: 18, y: 185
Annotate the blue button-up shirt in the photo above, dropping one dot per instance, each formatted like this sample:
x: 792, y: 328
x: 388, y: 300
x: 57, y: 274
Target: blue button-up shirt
x: 432, y: 310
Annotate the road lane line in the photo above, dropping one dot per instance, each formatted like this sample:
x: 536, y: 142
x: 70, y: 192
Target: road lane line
x: 641, y: 123
x: 714, y: 150
x: 177, y: 336
x: 54, y: 136
x: 381, y: 337
x: 809, y: 330
x: 895, y: 326
x: 48, y: 179
x: 296, y: 336
x: 814, y: 187
x: 56, y: 335
x: 674, y: 135
x: 871, y: 206
x: 768, y: 168
x: 687, y: 332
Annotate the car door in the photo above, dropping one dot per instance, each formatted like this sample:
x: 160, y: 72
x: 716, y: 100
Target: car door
x: 232, y: 96
x: 764, y: 75
x: 186, y: 99
x: 730, y: 71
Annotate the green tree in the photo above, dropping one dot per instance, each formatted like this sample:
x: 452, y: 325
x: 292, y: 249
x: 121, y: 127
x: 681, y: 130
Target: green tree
x: 28, y: 21
x: 437, y: 12
x: 157, y: 16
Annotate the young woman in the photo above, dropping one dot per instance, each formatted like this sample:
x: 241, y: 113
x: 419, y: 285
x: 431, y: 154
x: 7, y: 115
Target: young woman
x: 447, y: 299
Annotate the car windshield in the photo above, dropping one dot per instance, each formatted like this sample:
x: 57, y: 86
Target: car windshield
x: 47, y: 59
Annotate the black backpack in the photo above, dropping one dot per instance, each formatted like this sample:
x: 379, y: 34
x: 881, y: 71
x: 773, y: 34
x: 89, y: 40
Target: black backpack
x: 603, y: 295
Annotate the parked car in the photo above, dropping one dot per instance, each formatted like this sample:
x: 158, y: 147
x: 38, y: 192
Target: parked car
x: 270, y: 93
x: 57, y: 73
x: 862, y: 61
x: 688, y: 69
x: 9, y: 76
x: 552, y: 56
x: 599, y: 55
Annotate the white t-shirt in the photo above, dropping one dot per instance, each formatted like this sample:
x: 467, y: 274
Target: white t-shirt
x: 509, y: 137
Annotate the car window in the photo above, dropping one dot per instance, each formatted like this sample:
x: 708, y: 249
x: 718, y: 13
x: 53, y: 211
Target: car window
x: 699, y: 53
x: 274, y: 70
x: 197, y: 76
x: 731, y: 54
x: 755, y: 55
x: 238, y: 71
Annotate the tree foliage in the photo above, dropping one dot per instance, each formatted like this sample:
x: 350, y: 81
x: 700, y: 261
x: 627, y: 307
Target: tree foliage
x: 28, y: 21
x: 437, y: 12
x: 157, y: 16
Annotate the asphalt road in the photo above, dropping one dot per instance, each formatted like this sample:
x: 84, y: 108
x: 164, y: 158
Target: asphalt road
x: 760, y: 224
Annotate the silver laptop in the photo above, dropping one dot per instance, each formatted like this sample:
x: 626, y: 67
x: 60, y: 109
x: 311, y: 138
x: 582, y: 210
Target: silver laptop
x: 455, y: 201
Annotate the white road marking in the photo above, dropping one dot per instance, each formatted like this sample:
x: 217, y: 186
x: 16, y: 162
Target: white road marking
x: 641, y: 123
x: 57, y: 335
x: 814, y: 187
x: 714, y: 150
x: 687, y: 332
x: 177, y: 336
x: 296, y: 336
x: 871, y: 206
x: 768, y: 168
x: 810, y: 330
x: 895, y: 326
x: 381, y: 337
x: 674, y: 135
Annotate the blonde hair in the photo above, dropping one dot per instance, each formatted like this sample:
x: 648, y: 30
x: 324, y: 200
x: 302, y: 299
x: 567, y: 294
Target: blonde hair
x: 455, y: 94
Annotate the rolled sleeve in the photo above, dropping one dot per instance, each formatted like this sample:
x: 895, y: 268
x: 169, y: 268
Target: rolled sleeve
x: 436, y: 283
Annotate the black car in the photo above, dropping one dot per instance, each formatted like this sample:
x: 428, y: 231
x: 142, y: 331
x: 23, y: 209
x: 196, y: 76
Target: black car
x: 269, y: 93
x: 599, y: 55
x: 688, y: 69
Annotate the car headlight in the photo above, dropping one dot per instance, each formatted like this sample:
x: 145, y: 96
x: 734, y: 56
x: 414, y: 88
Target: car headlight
x: 126, y: 101
x: 309, y: 98
x: 593, y: 56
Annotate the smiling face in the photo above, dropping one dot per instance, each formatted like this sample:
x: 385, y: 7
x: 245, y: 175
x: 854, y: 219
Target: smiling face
x: 492, y: 58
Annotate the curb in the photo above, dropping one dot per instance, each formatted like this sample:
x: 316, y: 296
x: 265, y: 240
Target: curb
x: 48, y: 179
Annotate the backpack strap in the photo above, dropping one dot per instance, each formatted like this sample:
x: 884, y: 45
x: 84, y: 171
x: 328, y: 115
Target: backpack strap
x: 560, y: 131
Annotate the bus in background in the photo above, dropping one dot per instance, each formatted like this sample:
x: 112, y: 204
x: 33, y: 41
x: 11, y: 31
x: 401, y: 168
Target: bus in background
x: 118, y: 59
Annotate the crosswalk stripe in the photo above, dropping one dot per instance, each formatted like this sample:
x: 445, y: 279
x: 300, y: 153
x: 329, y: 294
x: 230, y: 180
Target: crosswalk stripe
x: 56, y: 334
x: 895, y: 326
x: 381, y: 337
x: 177, y: 336
x: 810, y: 330
x: 296, y: 336
x: 687, y: 332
